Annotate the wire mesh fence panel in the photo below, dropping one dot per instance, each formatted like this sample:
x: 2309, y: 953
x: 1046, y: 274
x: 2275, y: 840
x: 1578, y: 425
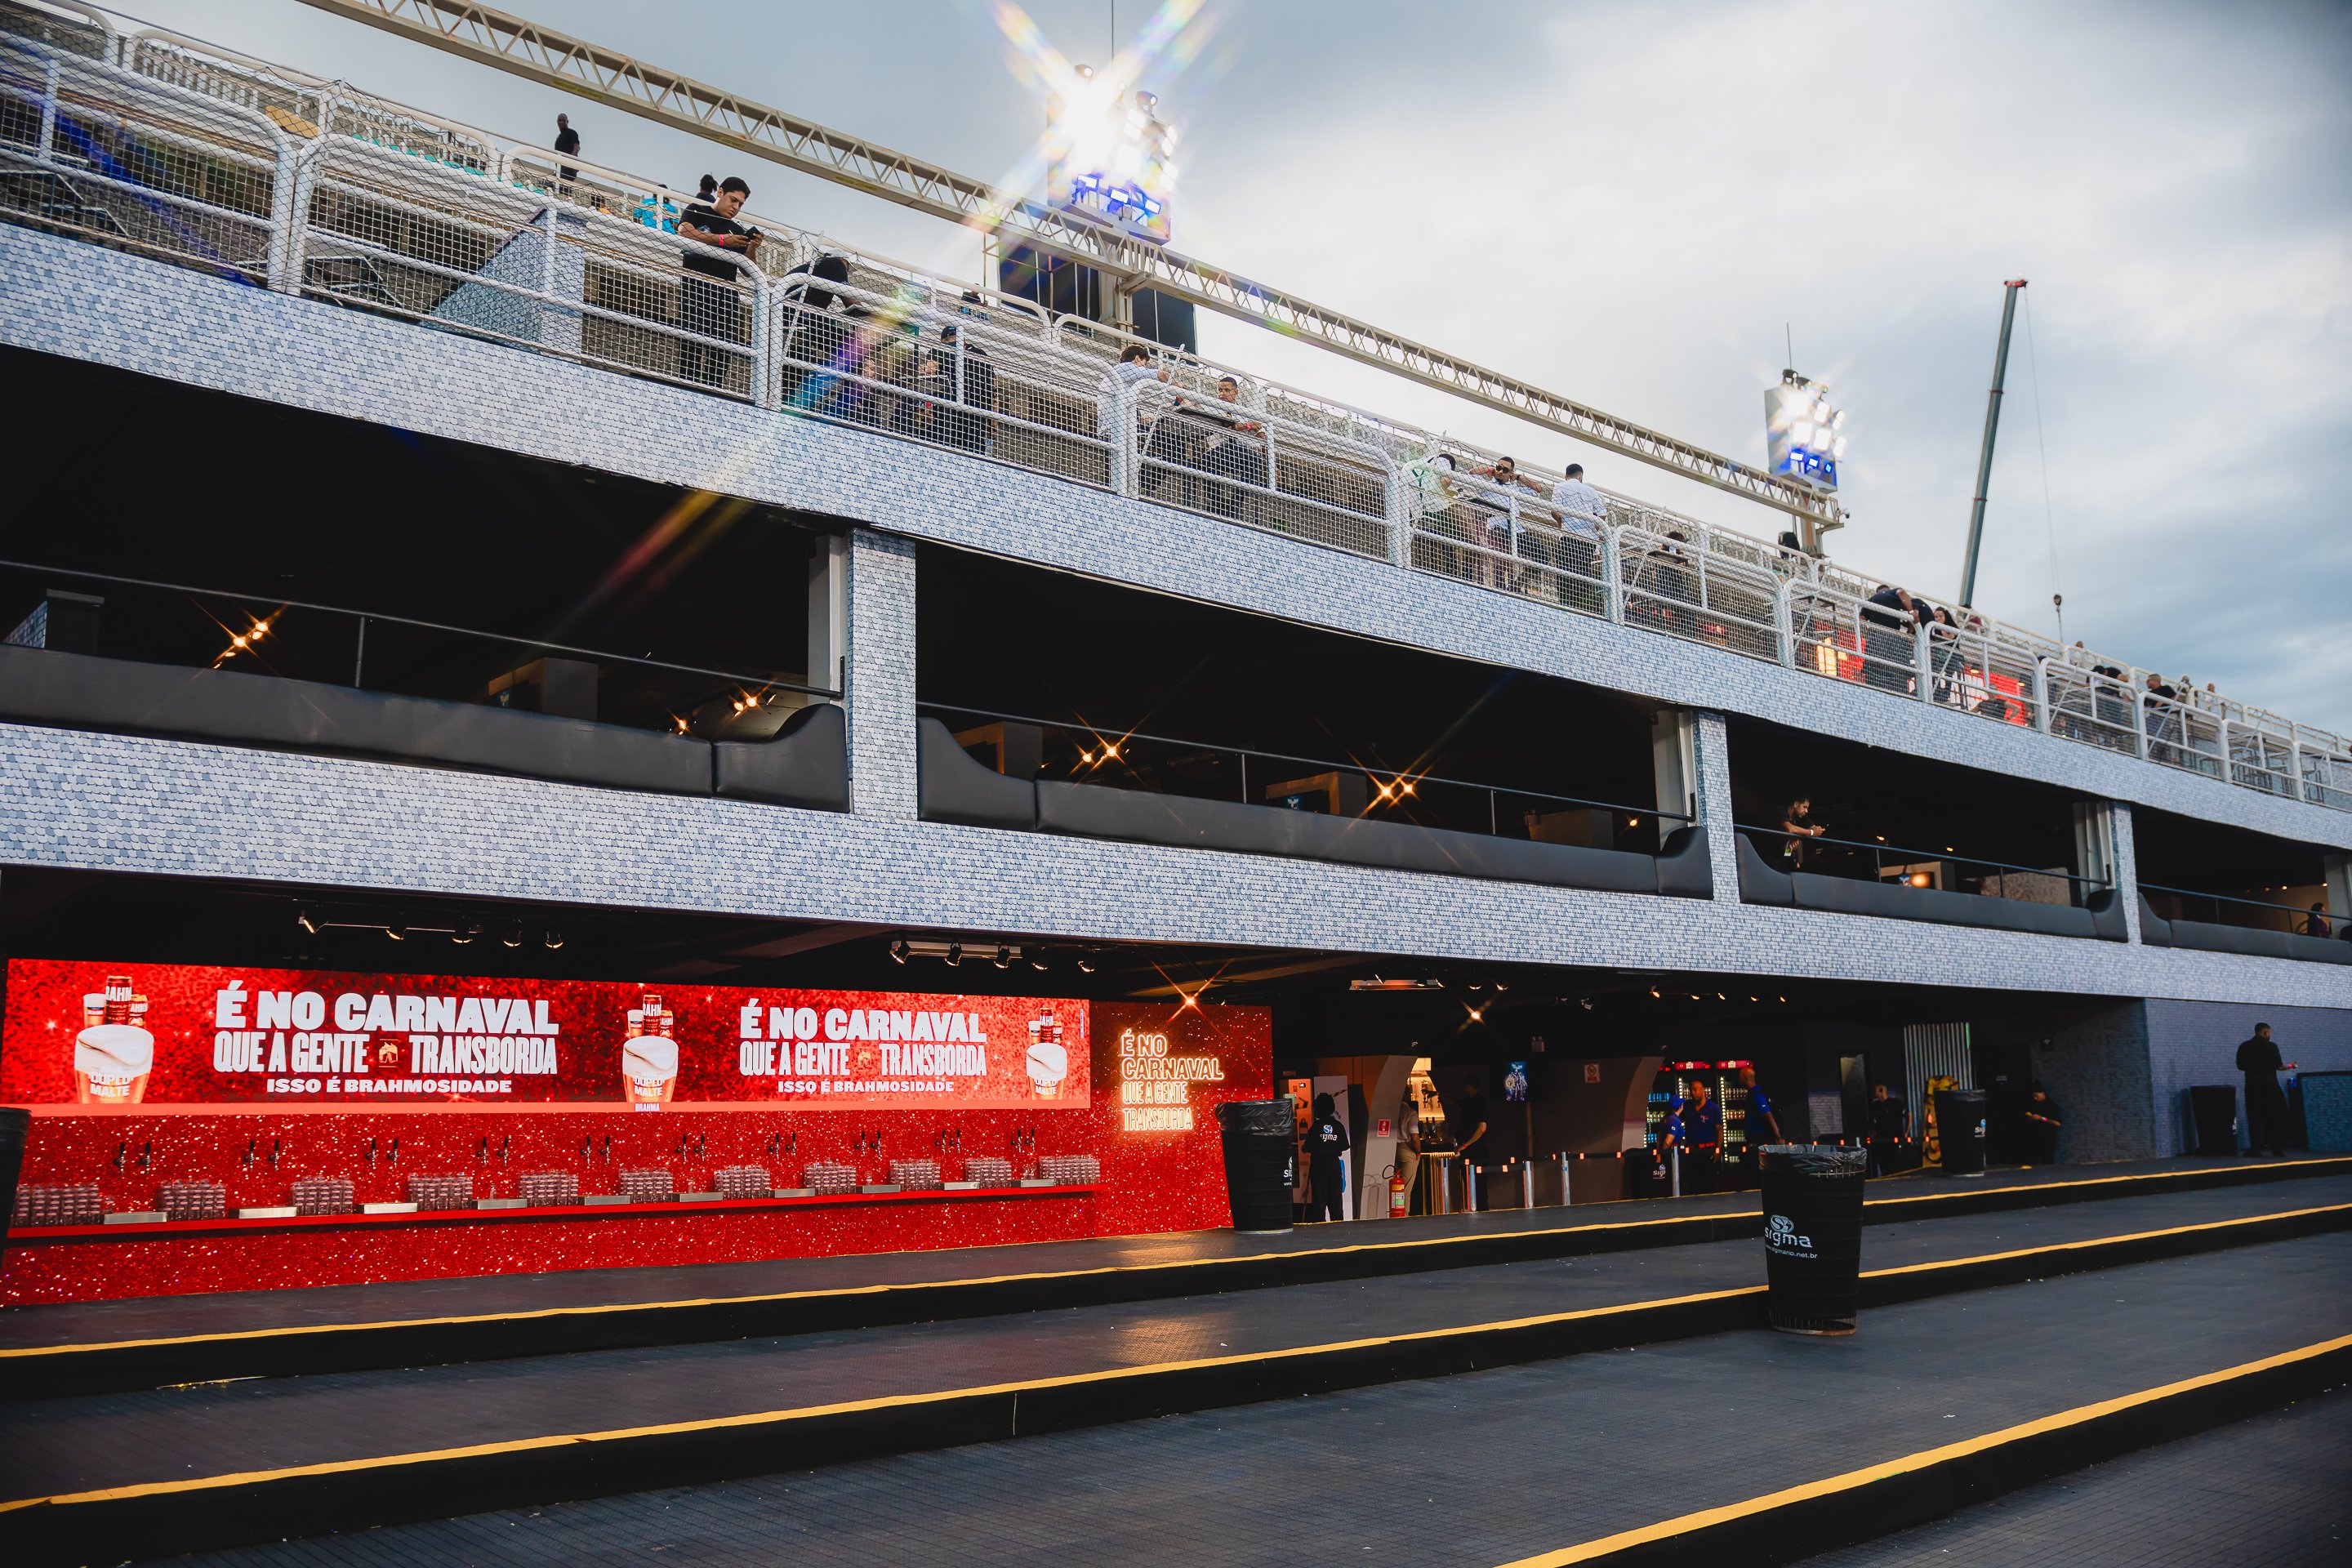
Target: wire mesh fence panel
x: 1210, y: 456
x: 1848, y: 639
x: 180, y: 179
x: 939, y: 372
x: 67, y: 35
x: 2090, y: 708
x: 1674, y: 589
x: 2181, y: 736
x: 2261, y: 760
x: 298, y: 105
x: 1974, y: 673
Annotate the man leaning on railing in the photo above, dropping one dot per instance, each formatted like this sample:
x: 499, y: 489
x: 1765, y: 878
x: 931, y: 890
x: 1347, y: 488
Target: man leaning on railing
x: 708, y: 306
x: 1581, y: 511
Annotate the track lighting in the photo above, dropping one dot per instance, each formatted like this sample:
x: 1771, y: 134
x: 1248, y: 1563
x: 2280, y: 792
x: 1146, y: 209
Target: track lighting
x: 308, y: 920
x: 899, y: 951
x: 554, y: 939
x: 1003, y: 958
x: 512, y: 935
x: 955, y: 954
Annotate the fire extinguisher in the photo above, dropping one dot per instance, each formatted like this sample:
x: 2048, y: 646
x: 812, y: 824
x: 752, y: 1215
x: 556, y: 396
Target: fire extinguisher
x: 1396, y: 1193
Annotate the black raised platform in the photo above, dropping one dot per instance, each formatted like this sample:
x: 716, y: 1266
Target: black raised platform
x: 176, y: 1468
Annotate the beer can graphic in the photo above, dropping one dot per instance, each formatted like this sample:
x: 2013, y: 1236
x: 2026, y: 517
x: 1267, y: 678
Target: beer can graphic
x: 114, y: 1053
x: 649, y: 1055
x: 1049, y: 1061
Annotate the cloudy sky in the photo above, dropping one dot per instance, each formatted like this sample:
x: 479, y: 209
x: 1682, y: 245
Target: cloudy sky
x: 1627, y: 204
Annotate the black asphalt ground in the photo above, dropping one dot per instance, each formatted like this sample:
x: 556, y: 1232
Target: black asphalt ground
x: 243, y: 1312
x: 1472, y: 1471
x: 2275, y: 1491
x: 81, y: 1443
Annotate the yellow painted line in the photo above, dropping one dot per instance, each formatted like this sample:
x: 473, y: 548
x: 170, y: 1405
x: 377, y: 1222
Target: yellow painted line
x: 2086, y: 1243
x: 848, y: 1292
x: 1686, y: 1523
x: 1074, y: 1380
x: 888, y: 1402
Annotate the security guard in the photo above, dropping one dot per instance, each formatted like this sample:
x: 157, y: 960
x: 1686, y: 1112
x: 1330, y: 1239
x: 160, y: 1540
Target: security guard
x: 1763, y: 1126
x: 1694, y: 1127
x: 1326, y: 1140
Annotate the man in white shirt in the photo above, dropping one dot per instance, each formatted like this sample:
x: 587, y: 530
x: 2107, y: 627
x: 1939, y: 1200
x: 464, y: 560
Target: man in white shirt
x: 1582, y: 509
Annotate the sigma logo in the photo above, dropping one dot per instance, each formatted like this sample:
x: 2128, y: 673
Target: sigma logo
x: 1781, y: 1235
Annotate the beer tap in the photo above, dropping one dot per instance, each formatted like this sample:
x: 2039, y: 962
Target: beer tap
x: 371, y: 1154
x: 506, y: 1148
x: 482, y: 1150
x: 147, y: 1155
x: 395, y: 1158
x: 122, y: 1155
x: 249, y: 1145
x: 587, y: 1149
x: 274, y: 1145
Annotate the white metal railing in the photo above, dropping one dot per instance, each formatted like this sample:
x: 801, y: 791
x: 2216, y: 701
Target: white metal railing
x: 181, y: 151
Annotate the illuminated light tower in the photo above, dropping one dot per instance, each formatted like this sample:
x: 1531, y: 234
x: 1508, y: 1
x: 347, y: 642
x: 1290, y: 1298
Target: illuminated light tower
x: 1112, y: 157
x: 1804, y: 436
x: 1111, y: 161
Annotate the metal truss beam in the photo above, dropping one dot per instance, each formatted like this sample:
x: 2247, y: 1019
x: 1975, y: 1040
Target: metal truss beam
x: 552, y: 59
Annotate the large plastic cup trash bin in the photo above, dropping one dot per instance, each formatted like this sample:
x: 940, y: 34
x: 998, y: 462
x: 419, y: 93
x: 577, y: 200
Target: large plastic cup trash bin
x: 1813, y: 1236
x: 1261, y: 1161
x: 2213, y: 1106
x: 15, y: 1122
x: 1960, y: 1127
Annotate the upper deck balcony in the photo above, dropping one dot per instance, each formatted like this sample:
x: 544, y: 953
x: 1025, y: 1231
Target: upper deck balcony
x: 267, y: 177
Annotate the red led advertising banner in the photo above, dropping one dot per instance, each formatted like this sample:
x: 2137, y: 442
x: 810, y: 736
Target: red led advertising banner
x: 94, y: 1038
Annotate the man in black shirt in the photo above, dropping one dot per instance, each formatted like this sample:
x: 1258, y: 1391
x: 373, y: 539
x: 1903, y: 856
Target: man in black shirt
x: 1470, y: 1118
x: 707, y: 302
x: 1889, y: 1119
x: 2043, y: 1120
x: 1326, y: 1140
x: 2258, y: 1058
x: 567, y: 141
x: 1888, y: 617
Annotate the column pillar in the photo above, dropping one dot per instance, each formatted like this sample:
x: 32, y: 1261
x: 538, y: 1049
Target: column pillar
x: 1692, y: 760
x: 880, y: 687
x: 2125, y: 880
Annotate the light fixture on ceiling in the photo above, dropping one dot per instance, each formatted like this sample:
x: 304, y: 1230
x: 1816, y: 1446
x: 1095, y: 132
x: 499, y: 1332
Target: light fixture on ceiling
x: 955, y: 955
x: 396, y: 927
x: 1003, y: 958
x: 512, y: 935
x: 1086, y: 964
x: 899, y: 951
x: 308, y: 920
x: 554, y: 939
x: 465, y: 932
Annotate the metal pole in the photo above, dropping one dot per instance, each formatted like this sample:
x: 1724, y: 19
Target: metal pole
x: 358, y: 656
x: 1992, y: 427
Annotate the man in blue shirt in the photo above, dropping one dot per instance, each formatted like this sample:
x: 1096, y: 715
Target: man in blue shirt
x: 1694, y: 1128
x: 1759, y: 1111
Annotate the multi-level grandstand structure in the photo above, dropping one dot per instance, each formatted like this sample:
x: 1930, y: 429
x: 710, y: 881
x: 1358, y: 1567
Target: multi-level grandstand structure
x: 502, y: 567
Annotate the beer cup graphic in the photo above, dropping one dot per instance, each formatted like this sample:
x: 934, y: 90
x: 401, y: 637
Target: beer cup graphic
x: 111, y: 1062
x: 1049, y: 1063
x: 649, y: 1064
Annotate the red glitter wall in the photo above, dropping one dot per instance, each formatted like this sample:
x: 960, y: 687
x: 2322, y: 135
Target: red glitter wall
x: 1151, y: 1180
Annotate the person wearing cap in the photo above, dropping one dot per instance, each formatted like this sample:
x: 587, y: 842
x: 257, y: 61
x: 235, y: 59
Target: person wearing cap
x: 1326, y: 1140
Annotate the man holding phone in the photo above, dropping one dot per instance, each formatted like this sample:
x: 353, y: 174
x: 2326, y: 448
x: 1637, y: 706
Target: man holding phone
x: 707, y: 302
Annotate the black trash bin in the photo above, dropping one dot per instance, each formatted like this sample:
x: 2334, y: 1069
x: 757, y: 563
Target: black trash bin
x: 1813, y: 1236
x: 2213, y: 1110
x: 1960, y: 1129
x: 15, y: 1122
x: 1261, y: 1139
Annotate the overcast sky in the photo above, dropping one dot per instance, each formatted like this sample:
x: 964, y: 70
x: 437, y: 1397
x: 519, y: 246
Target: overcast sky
x: 1625, y: 204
